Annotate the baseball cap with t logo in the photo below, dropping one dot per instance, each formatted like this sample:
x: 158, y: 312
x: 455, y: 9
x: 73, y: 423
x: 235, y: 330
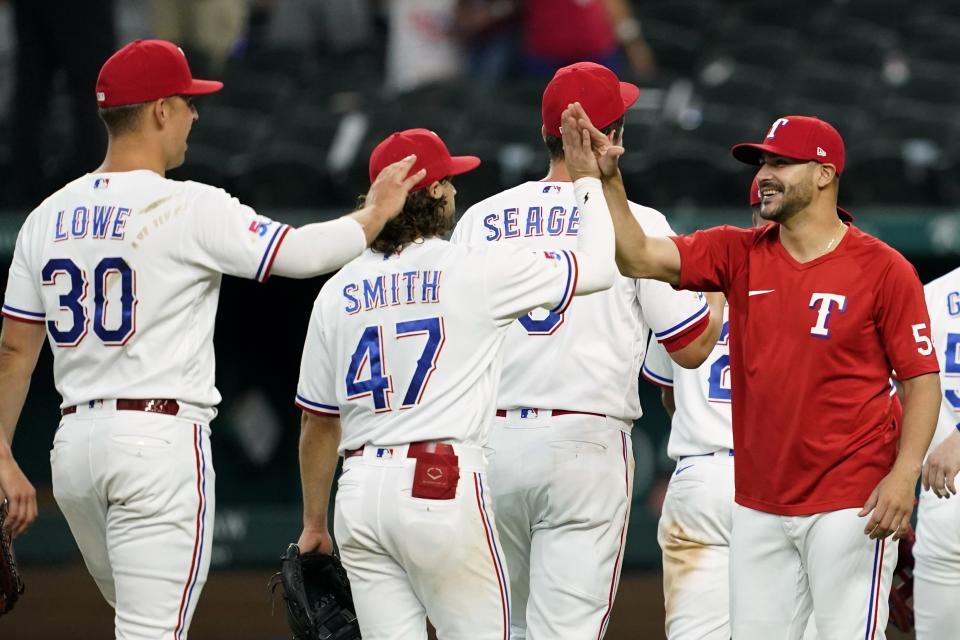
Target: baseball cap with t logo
x: 596, y: 88
x: 799, y: 138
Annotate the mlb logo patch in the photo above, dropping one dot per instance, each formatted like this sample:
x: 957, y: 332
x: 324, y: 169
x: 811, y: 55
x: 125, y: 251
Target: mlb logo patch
x: 529, y: 414
x: 386, y: 453
x: 101, y: 183
x: 552, y: 255
x: 551, y: 188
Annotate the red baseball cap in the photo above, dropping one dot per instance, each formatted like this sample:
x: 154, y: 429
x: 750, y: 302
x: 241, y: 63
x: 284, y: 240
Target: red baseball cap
x: 146, y: 70
x: 797, y: 137
x: 596, y: 88
x: 432, y: 155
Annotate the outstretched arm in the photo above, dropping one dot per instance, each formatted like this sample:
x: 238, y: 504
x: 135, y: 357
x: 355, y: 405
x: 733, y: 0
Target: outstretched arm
x: 321, y: 247
x: 638, y: 255
x: 20, y: 345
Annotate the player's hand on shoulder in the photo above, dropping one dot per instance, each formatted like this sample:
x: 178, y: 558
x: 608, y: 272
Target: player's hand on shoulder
x: 315, y: 540
x: 890, y: 505
x: 388, y: 193
x: 942, y: 466
x: 606, y: 147
x: 20, y: 495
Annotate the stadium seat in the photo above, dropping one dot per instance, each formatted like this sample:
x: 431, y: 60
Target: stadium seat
x: 285, y: 176
x: 891, y: 173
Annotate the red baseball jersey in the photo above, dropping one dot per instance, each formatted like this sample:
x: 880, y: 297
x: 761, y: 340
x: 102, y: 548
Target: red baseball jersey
x: 812, y: 347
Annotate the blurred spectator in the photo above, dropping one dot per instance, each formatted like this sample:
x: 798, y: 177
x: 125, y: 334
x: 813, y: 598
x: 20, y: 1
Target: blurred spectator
x: 336, y: 26
x: 207, y: 30
x: 50, y: 39
x: 560, y: 32
x: 489, y: 30
x: 422, y: 45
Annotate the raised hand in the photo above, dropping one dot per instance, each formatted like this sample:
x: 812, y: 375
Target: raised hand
x: 890, y: 506
x: 606, y: 147
x: 388, y: 193
x: 577, y: 152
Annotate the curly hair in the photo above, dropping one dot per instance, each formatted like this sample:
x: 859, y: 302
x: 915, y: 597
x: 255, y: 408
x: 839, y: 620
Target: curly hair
x: 422, y: 217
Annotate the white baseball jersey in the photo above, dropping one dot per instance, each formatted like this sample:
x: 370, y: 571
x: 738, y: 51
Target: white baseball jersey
x: 702, y: 421
x: 943, y: 303
x: 406, y: 347
x: 587, y: 359
x: 125, y: 269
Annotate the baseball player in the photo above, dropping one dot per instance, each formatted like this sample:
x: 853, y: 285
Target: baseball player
x: 819, y: 314
x: 399, y: 373
x: 562, y: 467
x: 936, y: 574
x: 121, y: 270
x: 695, y: 525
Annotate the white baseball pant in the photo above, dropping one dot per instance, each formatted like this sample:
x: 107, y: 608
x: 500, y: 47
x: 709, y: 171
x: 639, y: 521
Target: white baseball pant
x: 562, y: 487
x: 137, y: 490
x: 936, y: 572
x: 785, y: 568
x: 409, y: 559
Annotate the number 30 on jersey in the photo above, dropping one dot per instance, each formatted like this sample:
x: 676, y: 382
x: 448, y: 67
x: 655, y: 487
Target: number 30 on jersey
x: 71, y: 332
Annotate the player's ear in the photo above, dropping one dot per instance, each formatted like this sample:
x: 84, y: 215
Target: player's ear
x: 825, y: 174
x: 160, y: 111
x: 543, y: 132
x: 435, y: 190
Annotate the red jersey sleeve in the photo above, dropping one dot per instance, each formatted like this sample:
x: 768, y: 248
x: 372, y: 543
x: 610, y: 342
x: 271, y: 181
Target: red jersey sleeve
x: 710, y: 259
x: 903, y: 321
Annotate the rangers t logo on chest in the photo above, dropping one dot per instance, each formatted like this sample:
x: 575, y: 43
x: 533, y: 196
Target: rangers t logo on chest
x: 824, y: 303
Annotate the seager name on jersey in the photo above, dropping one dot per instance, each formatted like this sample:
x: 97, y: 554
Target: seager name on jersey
x: 408, y: 287
x: 100, y: 222
x: 537, y: 221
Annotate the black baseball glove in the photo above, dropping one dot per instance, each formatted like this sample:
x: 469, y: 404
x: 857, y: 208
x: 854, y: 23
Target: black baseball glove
x: 11, y: 586
x: 317, y: 595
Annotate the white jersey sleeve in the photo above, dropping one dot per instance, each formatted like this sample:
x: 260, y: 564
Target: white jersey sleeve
x: 23, y: 300
x: 943, y: 303
x: 520, y: 280
x: 316, y: 391
x: 702, y: 422
x: 657, y: 365
x: 229, y: 237
x: 670, y: 313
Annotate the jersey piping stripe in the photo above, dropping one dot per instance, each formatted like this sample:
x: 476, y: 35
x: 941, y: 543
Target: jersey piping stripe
x: 875, y: 580
x: 570, y: 288
x: 197, y: 558
x: 263, y: 271
x: 660, y: 381
x: 317, y: 407
x: 22, y: 314
x: 494, y: 554
x: 615, y: 579
x: 677, y: 328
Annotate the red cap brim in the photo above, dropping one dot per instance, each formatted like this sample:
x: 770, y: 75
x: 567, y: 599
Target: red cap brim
x: 629, y: 93
x: 462, y: 164
x: 202, y: 87
x: 749, y: 153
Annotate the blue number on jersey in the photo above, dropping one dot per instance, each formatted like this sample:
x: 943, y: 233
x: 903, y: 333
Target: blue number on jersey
x: 544, y: 327
x: 380, y: 384
x: 717, y: 391
x: 427, y: 363
x: 951, y: 357
x: 120, y: 335
x: 73, y: 301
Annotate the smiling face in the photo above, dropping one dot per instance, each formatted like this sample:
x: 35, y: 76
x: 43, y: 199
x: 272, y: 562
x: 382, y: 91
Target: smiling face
x: 787, y: 186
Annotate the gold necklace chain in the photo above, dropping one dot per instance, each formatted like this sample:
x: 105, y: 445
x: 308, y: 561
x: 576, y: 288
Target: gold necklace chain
x: 836, y: 237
